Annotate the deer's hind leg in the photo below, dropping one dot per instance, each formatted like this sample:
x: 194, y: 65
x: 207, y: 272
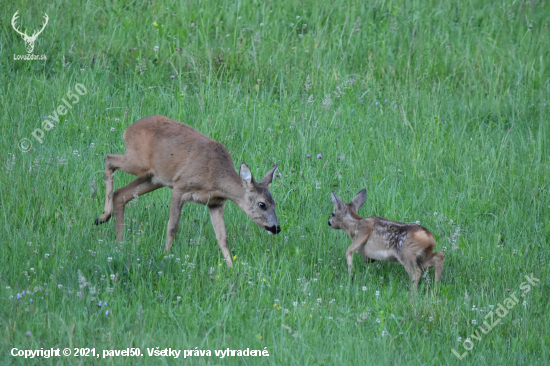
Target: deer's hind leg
x: 112, y: 164
x: 409, y: 260
x: 436, y: 260
x: 122, y: 196
x: 439, y: 265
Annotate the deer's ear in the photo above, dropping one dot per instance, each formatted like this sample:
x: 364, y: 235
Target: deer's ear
x: 246, y: 176
x: 336, y: 201
x: 359, y: 200
x: 268, y: 178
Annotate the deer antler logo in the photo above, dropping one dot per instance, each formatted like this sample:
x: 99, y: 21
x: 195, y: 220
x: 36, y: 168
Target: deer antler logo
x: 29, y: 41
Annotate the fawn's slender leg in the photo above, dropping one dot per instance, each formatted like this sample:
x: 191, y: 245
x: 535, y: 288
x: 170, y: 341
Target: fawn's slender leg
x: 350, y: 252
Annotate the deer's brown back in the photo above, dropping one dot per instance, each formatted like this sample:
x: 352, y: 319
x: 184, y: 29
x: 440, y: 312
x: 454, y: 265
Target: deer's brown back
x: 394, y: 234
x: 175, y: 154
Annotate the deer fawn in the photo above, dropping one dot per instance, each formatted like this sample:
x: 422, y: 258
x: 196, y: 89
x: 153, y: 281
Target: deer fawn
x: 162, y: 152
x: 377, y: 238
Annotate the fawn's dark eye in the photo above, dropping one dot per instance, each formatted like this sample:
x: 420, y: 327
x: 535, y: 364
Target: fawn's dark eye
x: 333, y: 214
x: 262, y: 205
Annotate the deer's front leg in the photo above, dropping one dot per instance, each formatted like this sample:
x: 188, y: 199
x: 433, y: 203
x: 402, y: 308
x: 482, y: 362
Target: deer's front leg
x: 349, y: 253
x: 175, y: 212
x: 216, y: 215
x: 357, y: 243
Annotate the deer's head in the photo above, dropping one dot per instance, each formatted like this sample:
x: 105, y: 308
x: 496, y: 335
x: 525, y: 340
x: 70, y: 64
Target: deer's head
x: 259, y: 205
x: 343, y: 211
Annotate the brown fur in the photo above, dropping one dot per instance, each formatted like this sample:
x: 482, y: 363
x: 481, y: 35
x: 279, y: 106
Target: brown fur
x: 377, y: 238
x: 162, y: 152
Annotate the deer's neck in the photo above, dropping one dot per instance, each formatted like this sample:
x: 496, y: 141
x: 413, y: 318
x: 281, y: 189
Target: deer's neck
x: 235, y: 192
x: 350, y: 226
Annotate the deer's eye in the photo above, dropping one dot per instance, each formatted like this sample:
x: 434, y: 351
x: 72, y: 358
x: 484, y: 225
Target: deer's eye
x: 333, y: 214
x: 262, y: 205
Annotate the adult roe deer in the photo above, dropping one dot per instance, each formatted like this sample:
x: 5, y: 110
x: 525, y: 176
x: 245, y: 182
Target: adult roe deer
x: 162, y: 152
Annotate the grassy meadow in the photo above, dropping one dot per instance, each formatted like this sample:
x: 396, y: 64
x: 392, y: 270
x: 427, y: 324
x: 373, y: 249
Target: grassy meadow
x: 439, y: 109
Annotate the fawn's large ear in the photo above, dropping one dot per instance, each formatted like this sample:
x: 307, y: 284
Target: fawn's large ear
x: 359, y: 200
x: 336, y: 201
x: 246, y: 176
x: 268, y: 178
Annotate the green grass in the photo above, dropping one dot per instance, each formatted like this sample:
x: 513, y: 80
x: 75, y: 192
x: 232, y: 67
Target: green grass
x: 464, y: 133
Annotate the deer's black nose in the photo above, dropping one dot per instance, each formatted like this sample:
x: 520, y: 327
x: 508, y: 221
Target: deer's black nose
x: 275, y: 229
x: 329, y: 223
